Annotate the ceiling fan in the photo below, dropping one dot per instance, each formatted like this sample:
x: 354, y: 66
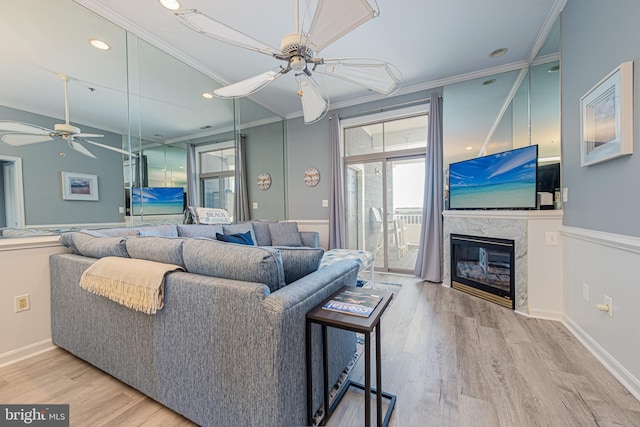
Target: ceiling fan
x: 332, y: 19
x: 18, y: 133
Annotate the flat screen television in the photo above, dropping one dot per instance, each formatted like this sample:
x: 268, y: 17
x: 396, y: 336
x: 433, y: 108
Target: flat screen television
x: 506, y: 180
x: 157, y: 200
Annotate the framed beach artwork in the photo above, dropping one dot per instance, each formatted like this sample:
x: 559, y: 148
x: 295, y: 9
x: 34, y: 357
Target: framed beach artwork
x: 606, y: 117
x: 79, y: 186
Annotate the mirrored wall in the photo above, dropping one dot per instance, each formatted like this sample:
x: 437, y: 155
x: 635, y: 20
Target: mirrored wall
x: 131, y: 96
x: 508, y: 110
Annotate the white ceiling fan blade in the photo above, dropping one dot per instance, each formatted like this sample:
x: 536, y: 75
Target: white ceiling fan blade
x: 13, y: 126
x: 248, y: 86
x: 79, y: 148
x: 315, y: 102
x: 105, y: 146
x: 335, y: 18
x: 19, y: 139
x: 215, y: 29
x: 374, y: 74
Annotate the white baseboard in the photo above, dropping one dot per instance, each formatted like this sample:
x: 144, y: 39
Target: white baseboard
x: 22, y: 353
x: 630, y: 382
x: 544, y: 314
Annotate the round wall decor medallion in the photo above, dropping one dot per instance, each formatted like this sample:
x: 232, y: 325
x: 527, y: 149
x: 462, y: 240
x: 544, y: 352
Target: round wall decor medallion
x: 311, y: 177
x: 264, y: 181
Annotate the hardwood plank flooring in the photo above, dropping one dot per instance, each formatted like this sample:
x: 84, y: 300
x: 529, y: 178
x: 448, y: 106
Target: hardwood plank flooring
x: 450, y: 358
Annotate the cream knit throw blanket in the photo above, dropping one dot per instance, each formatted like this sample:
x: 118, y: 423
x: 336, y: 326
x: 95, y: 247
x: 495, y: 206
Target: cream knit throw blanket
x: 134, y: 283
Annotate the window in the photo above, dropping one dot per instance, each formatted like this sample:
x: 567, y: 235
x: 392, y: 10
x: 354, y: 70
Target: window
x: 216, y: 176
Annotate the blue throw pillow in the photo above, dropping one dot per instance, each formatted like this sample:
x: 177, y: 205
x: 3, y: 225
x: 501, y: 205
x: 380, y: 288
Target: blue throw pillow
x: 240, y: 238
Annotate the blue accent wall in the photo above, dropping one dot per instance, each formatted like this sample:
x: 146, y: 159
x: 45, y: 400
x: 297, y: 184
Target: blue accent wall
x: 597, y: 36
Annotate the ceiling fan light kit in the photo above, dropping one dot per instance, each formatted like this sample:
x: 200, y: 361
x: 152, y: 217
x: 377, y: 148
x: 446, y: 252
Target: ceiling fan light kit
x: 331, y: 20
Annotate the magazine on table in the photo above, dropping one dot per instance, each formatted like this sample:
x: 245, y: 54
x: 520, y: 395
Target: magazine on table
x: 355, y: 303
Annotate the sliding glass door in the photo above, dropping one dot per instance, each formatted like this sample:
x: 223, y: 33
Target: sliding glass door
x: 384, y: 189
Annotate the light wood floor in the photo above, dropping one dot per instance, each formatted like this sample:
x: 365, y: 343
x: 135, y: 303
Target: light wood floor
x: 451, y: 359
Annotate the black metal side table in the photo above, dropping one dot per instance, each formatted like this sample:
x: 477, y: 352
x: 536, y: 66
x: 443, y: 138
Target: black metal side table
x: 364, y: 325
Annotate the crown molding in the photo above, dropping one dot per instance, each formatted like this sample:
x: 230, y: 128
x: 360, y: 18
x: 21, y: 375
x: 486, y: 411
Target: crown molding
x: 128, y: 25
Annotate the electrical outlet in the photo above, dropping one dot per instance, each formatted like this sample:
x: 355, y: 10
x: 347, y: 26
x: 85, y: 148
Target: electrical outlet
x: 609, y: 302
x: 325, y: 203
x: 22, y: 303
x: 121, y: 209
x: 585, y: 292
x: 255, y: 205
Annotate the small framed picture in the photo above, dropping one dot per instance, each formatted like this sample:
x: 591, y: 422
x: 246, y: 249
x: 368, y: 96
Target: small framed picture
x: 79, y: 186
x: 606, y: 117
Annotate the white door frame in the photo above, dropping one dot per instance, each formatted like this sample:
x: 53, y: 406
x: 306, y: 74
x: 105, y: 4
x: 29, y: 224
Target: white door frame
x: 16, y: 204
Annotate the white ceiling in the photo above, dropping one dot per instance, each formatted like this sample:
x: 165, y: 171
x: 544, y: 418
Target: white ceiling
x: 431, y: 42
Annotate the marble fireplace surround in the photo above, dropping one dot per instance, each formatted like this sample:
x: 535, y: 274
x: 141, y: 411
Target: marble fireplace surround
x: 528, y: 230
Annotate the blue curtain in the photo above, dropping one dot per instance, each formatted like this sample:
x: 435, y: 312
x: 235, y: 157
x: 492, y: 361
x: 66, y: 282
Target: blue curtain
x: 337, y: 223
x: 429, y: 265
x: 192, y: 176
x: 242, y: 196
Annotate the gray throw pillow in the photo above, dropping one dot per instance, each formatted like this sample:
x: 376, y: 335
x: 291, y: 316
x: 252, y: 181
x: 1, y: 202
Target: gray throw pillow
x: 100, y: 247
x: 285, y: 234
x: 240, y: 229
x: 261, y: 229
x: 167, y: 250
x: 236, y: 262
x: 298, y: 262
x: 199, y: 230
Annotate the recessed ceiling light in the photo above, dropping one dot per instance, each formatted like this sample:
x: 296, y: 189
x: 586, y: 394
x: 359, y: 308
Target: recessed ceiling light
x: 469, y: 148
x: 489, y: 82
x: 99, y: 44
x: 207, y: 95
x: 498, y: 52
x: 170, y: 4
x: 554, y: 69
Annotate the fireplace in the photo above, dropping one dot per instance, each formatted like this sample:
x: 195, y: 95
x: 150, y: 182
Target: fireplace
x: 484, y: 267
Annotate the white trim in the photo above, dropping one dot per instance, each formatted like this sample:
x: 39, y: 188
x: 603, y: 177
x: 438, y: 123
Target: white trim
x: 505, y: 106
x: 627, y: 379
x: 616, y: 241
x: 17, y: 162
x: 556, y: 316
x: 506, y: 214
x: 76, y: 225
x: 384, y: 116
x: 555, y: 11
x: 26, y: 352
x: 21, y: 243
x: 422, y: 86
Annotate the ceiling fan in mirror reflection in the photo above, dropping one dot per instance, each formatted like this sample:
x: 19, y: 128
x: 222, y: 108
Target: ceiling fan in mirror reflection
x: 18, y: 133
x: 331, y: 20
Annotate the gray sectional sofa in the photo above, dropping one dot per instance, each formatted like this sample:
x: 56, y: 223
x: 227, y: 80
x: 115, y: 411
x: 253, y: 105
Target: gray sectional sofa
x: 228, y: 348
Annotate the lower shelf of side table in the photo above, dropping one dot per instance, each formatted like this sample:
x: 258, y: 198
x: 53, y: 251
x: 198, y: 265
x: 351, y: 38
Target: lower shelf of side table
x: 384, y: 394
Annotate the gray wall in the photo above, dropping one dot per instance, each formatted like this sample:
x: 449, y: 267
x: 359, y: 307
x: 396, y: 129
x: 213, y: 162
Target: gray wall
x: 3, y: 217
x: 597, y: 37
x: 42, y: 164
x: 265, y: 153
x: 308, y: 146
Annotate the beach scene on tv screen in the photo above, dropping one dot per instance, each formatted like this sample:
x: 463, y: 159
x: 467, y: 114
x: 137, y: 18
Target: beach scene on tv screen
x: 500, y: 181
x: 158, y: 200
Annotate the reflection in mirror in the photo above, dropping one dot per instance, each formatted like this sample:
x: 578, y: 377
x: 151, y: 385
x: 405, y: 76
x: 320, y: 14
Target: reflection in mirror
x: 138, y: 97
x: 32, y: 92
x: 507, y: 111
